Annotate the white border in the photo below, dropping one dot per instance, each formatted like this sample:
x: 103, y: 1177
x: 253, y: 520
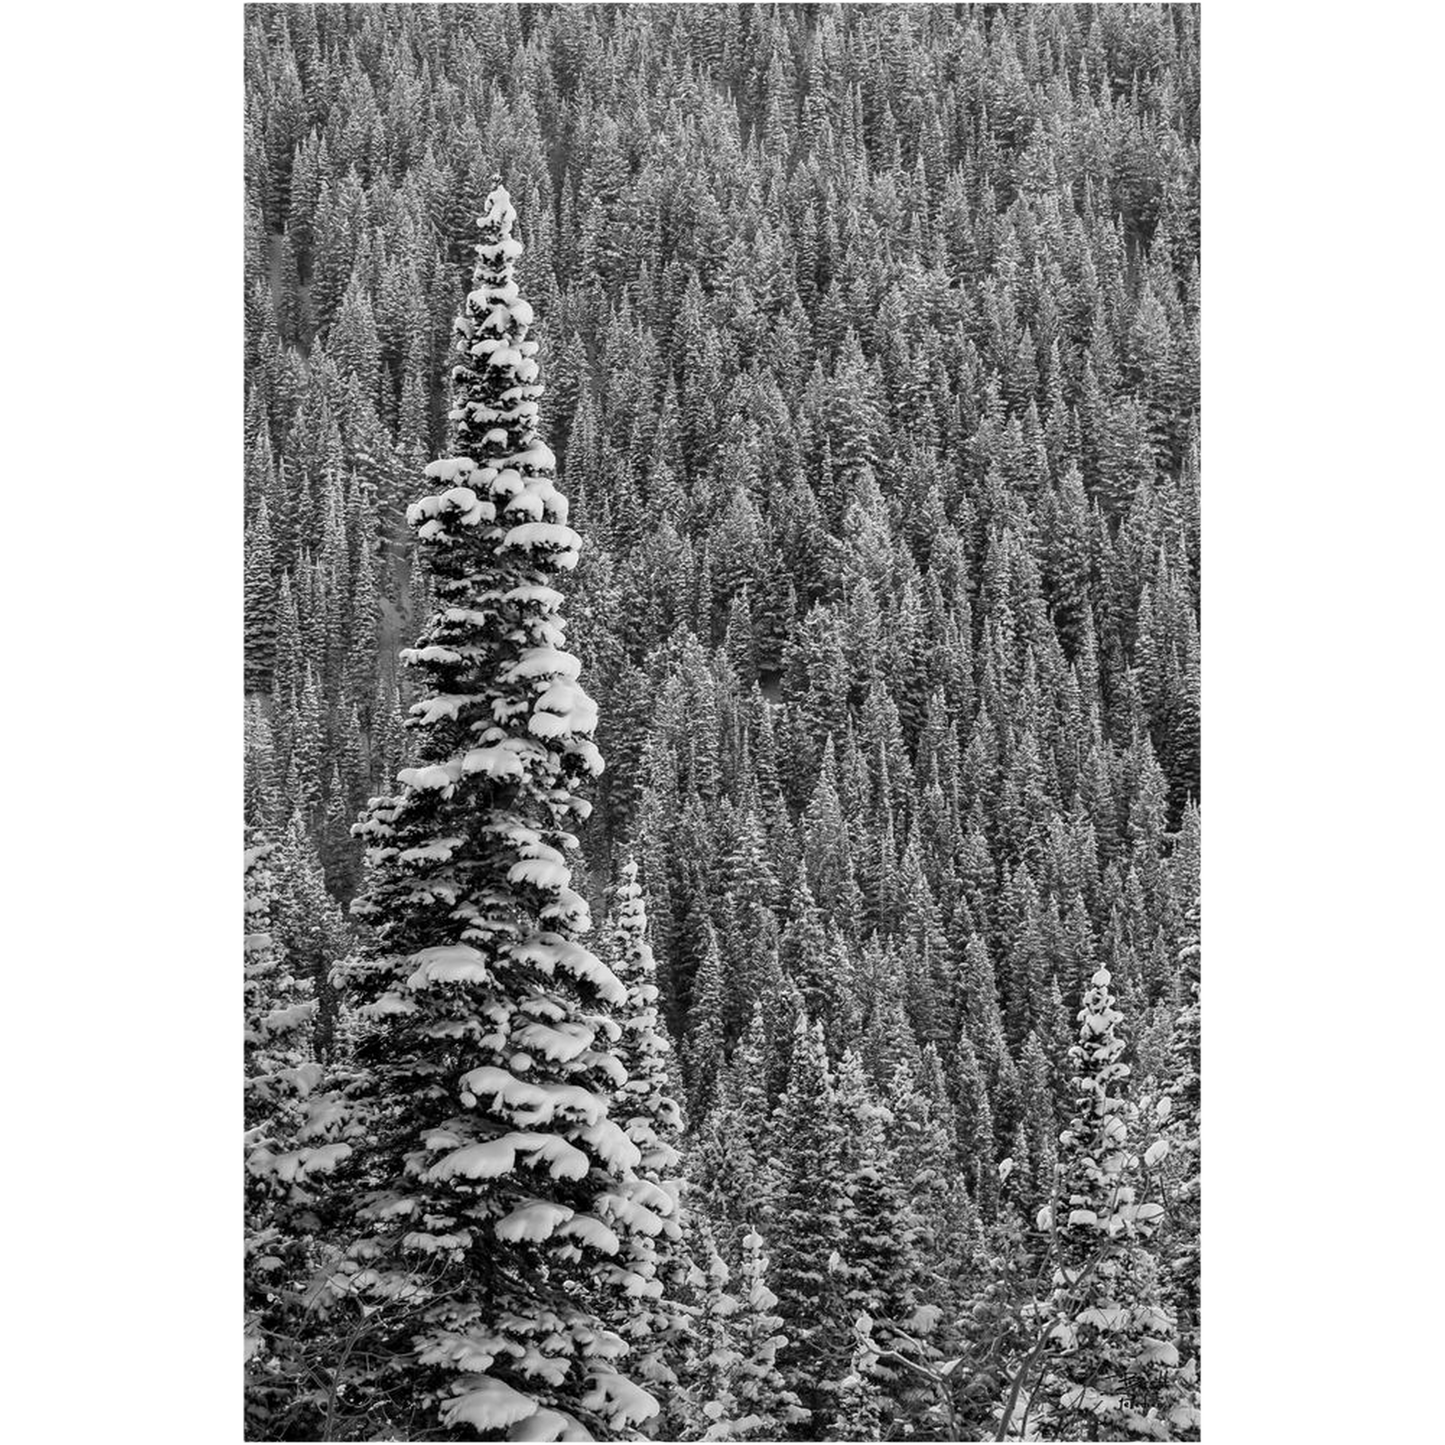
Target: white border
x: 1321, y: 484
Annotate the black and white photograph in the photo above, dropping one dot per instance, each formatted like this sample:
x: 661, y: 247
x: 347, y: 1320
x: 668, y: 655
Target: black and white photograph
x: 722, y: 722
x: 610, y: 738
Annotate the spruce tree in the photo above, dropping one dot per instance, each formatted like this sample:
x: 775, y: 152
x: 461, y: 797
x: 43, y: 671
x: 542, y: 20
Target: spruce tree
x: 650, y: 1269
x: 260, y: 603
x: 768, y: 1406
x: 1038, y: 1121
x: 739, y: 1392
x: 1113, y: 1363
x: 306, y: 922
x: 878, y: 1217
x: 705, y: 1028
x: 296, y: 1132
x: 712, y: 1362
x: 861, y: 1413
x: 806, y: 1225
x: 1181, y: 1136
x: 728, y: 1162
x: 499, y: 1182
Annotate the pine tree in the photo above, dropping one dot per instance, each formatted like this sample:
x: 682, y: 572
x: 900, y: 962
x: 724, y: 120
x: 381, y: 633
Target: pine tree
x: 806, y: 1225
x: 499, y: 1180
x: 1038, y: 1121
x: 748, y: 1398
x: 651, y: 1269
x: 713, y: 1360
x: 1181, y: 1135
x: 880, y: 1219
x: 1113, y: 1362
x: 260, y: 602
x: 296, y: 1131
x: 705, y: 1032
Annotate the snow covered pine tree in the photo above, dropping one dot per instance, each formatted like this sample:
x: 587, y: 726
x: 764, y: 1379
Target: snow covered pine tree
x: 737, y: 1390
x: 497, y: 1185
x: 1114, y: 1370
x: 295, y: 1133
x: 650, y: 1268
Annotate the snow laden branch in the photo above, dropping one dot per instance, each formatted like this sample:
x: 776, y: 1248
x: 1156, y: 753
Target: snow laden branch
x: 521, y: 1191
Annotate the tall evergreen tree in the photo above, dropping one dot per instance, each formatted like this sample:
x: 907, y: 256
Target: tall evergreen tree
x: 807, y: 1226
x: 260, y: 602
x: 296, y: 1131
x: 1113, y: 1362
x: 651, y: 1268
x: 499, y: 1181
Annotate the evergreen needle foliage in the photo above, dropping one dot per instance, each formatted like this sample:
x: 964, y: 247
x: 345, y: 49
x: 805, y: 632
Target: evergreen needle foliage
x: 864, y: 496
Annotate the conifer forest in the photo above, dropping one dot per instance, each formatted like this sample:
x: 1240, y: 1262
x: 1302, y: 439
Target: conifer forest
x: 721, y: 746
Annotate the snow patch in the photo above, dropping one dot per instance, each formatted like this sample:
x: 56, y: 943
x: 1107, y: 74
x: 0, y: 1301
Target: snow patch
x: 533, y: 1222
x: 489, y: 1404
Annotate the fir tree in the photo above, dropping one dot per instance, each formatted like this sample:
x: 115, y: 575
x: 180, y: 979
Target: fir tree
x: 296, y: 1131
x: 1113, y: 1360
x: 739, y: 1391
x: 651, y: 1268
x: 705, y: 1035
x: 806, y: 1224
x: 878, y: 1222
x: 767, y: 1405
x: 498, y: 1175
x: 260, y: 602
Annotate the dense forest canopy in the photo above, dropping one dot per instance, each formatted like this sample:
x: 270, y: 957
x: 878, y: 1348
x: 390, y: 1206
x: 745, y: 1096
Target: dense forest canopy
x: 869, y: 340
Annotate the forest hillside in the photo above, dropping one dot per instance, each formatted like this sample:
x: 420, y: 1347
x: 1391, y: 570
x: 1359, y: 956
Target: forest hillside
x: 799, y: 405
